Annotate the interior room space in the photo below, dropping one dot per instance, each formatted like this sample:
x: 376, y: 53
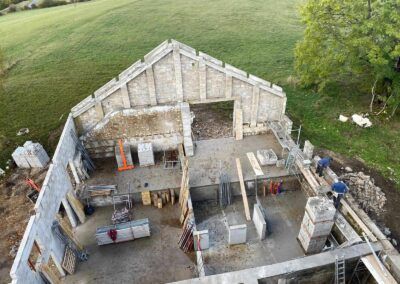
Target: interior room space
x: 284, y: 213
x: 212, y: 120
x: 153, y: 259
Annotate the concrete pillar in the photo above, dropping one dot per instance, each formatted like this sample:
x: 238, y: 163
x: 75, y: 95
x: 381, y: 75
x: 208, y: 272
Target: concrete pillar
x: 70, y: 212
x: 202, y: 80
x: 228, y: 86
x: 178, y: 73
x: 74, y: 172
x: 125, y: 96
x: 57, y: 262
x: 99, y: 110
x: 254, y: 106
x: 151, y: 85
x: 238, y: 124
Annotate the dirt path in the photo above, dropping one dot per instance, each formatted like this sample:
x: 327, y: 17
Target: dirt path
x: 390, y: 218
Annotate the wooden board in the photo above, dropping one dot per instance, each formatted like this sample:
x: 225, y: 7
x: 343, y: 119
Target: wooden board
x: 254, y: 164
x: 382, y: 276
x: 146, y: 198
x: 243, y: 189
x: 50, y: 275
x: 77, y: 206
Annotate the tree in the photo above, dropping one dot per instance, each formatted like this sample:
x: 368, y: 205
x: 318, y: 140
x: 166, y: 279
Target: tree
x: 352, y: 41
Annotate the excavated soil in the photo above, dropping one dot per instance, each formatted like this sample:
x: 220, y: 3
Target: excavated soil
x: 15, y: 210
x: 391, y: 216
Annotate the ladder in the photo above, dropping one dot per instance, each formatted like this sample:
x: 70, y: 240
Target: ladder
x: 340, y: 270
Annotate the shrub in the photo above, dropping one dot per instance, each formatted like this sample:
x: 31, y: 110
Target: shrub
x: 52, y: 3
x: 12, y: 8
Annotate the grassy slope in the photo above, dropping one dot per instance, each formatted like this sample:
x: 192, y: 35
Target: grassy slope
x: 63, y: 54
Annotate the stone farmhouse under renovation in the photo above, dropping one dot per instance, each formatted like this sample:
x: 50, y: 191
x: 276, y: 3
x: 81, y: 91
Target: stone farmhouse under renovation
x: 147, y: 186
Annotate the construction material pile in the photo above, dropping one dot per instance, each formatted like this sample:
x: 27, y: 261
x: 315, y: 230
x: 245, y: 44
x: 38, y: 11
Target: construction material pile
x: 362, y: 187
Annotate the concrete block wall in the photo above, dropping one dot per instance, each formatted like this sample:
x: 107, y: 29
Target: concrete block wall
x: 174, y: 72
x: 55, y: 186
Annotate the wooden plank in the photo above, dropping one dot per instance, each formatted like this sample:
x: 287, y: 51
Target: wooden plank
x: 50, y: 275
x: 66, y: 228
x: 243, y: 189
x: 77, y: 206
x: 146, y: 198
x: 382, y: 276
x: 254, y: 164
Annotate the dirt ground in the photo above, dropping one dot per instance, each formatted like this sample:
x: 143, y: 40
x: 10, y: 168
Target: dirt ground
x: 15, y: 210
x: 212, y: 120
x: 391, y: 216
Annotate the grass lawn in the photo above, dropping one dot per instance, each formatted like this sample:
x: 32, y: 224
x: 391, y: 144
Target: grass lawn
x: 60, y: 55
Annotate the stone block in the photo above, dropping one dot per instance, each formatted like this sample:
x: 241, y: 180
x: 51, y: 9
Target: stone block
x: 202, y: 238
x: 237, y: 234
x: 317, y: 229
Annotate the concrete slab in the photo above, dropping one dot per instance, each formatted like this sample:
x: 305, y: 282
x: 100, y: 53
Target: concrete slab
x: 155, y: 259
x: 284, y: 214
x: 212, y: 155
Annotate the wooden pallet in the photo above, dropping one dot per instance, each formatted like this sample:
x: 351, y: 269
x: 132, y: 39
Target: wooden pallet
x: 69, y: 261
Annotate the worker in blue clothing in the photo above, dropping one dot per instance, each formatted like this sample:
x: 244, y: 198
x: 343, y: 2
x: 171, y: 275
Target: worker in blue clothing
x: 323, y: 164
x: 340, y: 188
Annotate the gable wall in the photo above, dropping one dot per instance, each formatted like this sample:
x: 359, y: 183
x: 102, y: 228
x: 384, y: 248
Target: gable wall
x: 173, y: 73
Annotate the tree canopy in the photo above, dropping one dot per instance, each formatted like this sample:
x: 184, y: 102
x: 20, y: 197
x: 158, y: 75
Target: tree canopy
x: 352, y: 41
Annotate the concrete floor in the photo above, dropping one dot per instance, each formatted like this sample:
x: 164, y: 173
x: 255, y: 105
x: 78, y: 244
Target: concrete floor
x: 204, y: 166
x: 284, y: 212
x: 211, y: 155
x: 156, y: 259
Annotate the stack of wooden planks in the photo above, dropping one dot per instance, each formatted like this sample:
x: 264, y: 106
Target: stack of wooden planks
x: 120, y: 216
x: 161, y: 198
x: 125, y: 232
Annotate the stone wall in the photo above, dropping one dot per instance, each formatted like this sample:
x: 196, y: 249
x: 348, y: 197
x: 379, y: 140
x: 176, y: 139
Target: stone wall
x: 55, y: 186
x: 174, y: 72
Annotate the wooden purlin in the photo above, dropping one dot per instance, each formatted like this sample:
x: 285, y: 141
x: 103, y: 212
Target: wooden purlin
x: 254, y: 164
x: 77, y: 206
x: 243, y: 189
x: 378, y: 271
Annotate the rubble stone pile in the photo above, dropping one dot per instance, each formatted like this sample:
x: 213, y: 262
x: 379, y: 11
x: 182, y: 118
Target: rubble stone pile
x: 362, y: 187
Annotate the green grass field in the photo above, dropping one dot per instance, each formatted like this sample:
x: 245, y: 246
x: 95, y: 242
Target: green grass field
x: 60, y: 55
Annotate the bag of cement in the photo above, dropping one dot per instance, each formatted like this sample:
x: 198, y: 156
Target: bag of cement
x: 267, y: 157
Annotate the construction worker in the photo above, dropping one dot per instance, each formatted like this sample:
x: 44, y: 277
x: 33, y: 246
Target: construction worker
x: 323, y: 164
x: 340, y: 188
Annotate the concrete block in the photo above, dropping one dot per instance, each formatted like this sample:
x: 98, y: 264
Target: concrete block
x: 145, y: 153
x: 311, y: 245
x: 237, y: 234
x: 317, y: 229
x: 19, y: 157
x: 320, y: 209
x: 202, y: 238
x: 36, y: 155
x: 259, y: 222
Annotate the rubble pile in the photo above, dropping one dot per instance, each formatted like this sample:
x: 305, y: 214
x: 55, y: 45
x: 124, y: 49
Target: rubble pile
x: 362, y: 187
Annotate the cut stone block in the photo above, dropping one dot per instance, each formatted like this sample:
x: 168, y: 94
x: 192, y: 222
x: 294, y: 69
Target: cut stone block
x: 317, y: 229
x: 203, y: 238
x: 237, y: 234
x: 259, y: 222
